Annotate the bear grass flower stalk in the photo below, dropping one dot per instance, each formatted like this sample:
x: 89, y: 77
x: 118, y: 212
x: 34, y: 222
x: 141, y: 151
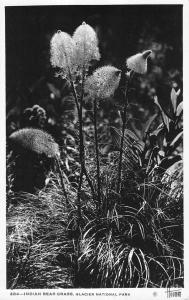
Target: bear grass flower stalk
x: 73, y: 56
x: 135, y: 64
x: 86, y: 51
x: 100, y: 85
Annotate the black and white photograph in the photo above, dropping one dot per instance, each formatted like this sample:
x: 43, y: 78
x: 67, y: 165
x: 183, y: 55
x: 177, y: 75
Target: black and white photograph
x: 94, y: 149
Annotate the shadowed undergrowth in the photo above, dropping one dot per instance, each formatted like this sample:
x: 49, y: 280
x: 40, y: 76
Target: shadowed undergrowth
x: 137, y: 241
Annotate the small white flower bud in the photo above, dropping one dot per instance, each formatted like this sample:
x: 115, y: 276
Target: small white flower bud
x: 138, y: 62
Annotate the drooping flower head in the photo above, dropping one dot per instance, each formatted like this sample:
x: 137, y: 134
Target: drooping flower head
x: 103, y: 82
x: 62, y: 50
x: 138, y: 62
x: 86, y: 42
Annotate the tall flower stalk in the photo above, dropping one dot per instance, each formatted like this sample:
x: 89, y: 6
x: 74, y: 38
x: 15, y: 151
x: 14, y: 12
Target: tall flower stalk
x: 73, y: 56
x: 101, y: 85
x: 124, y: 121
x: 136, y: 64
x: 83, y: 170
x: 86, y: 50
x: 97, y: 159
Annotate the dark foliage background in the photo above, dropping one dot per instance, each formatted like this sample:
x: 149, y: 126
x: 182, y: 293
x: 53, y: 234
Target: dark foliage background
x: 122, y: 30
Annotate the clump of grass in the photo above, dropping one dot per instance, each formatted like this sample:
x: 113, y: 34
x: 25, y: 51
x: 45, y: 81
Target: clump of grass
x: 39, y: 252
x: 137, y: 242
x: 137, y: 247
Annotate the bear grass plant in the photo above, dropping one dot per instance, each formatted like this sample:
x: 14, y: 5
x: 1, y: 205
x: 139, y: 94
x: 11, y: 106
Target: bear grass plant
x: 136, y: 245
x: 121, y: 225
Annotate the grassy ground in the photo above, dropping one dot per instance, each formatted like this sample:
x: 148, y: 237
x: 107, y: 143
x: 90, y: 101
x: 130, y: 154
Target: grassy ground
x: 135, y: 240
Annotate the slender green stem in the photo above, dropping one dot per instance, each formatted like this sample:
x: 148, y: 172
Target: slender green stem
x: 81, y: 130
x: 81, y: 152
x: 83, y: 170
x: 124, y: 120
x: 81, y: 140
x: 97, y: 158
x: 82, y: 162
x: 75, y: 96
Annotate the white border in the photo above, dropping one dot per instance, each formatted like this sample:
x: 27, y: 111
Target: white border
x: 134, y: 293
x: 186, y: 141
x: 2, y: 156
x: 88, y: 2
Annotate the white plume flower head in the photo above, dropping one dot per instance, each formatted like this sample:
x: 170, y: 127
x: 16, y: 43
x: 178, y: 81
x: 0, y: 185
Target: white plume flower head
x: 62, y: 48
x: 138, y: 62
x: 103, y: 82
x: 35, y: 141
x: 86, y: 42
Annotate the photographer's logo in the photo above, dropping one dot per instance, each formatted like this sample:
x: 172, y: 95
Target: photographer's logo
x: 173, y: 293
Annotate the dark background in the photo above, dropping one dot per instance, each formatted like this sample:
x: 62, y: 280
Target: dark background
x: 123, y: 30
